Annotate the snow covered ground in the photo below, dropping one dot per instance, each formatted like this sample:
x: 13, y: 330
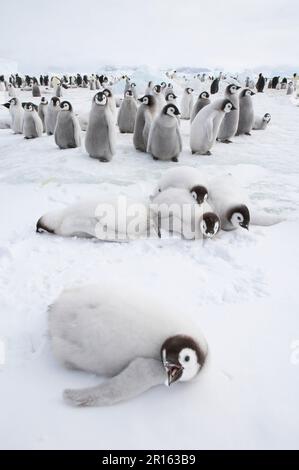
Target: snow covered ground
x: 241, y: 288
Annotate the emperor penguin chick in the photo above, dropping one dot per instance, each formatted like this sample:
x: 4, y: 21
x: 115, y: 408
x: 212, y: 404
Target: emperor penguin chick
x: 51, y: 115
x: 176, y: 211
x: 185, y: 177
x: 100, y: 134
x: 151, y: 345
x: 229, y: 125
x: 187, y: 103
x: 261, y: 123
x: 144, y: 118
x: 202, y: 101
x: 127, y: 113
x: 159, y: 95
x: 165, y: 142
x: 67, y: 131
x: 42, y: 110
x: 205, y: 126
x: 246, y: 116
x: 230, y: 202
x: 33, y: 126
x: 17, y: 115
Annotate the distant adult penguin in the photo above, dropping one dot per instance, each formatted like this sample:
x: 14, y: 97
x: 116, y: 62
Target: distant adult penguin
x: 100, y: 134
x: 260, y: 84
x: 229, y: 125
x: 187, y: 103
x: 135, y: 341
x: 171, y: 98
x: 185, y: 177
x: 160, y: 98
x: 270, y: 84
x: 144, y: 118
x: 206, y: 124
x: 290, y: 89
x: 215, y: 86
x: 36, y: 91
x: 230, y: 202
x: 42, y: 111
x: 275, y: 82
x: 51, y: 115
x: 260, y: 123
x: 246, y: 115
x: 176, y: 211
x: 17, y: 115
x: 33, y: 126
x: 202, y: 101
x: 165, y: 142
x: 127, y: 114
x: 111, y: 102
x: 67, y: 131
x: 11, y: 91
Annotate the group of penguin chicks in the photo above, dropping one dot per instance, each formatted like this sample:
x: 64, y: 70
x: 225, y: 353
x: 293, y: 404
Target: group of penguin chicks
x: 155, y: 123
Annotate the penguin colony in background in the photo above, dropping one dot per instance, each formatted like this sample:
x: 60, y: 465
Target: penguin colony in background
x: 160, y: 348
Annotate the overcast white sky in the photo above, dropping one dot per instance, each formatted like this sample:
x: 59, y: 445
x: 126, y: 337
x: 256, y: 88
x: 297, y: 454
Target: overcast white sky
x: 87, y: 33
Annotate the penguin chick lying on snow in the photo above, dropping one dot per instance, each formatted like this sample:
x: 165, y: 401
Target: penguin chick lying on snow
x: 261, y: 123
x: 185, y: 177
x: 233, y: 206
x: 147, y: 348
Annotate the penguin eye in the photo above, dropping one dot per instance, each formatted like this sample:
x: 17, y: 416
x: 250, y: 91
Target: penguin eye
x: 194, y: 195
x: 187, y: 358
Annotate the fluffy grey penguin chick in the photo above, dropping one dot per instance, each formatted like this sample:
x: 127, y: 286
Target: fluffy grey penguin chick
x: 144, y: 118
x: 165, y: 142
x: 229, y: 125
x: 202, y: 101
x: 127, y: 113
x: 42, y: 110
x: 51, y: 115
x: 67, y: 131
x: 128, y: 337
x: 246, y: 116
x: 33, y: 126
x: 100, y: 134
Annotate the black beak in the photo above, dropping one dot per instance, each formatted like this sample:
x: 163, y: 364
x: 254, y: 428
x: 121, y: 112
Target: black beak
x: 244, y: 226
x: 234, y: 108
x: 7, y: 105
x: 174, y: 371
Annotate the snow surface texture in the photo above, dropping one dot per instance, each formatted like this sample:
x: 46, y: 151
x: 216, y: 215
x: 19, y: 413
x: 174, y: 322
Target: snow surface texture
x: 241, y: 288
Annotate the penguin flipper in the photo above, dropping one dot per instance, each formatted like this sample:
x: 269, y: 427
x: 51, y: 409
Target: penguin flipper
x: 138, y: 377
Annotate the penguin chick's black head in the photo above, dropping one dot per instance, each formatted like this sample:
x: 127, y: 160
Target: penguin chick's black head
x: 247, y: 92
x: 210, y: 224
x: 182, y: 358
x: 199, y: 193
x: 170, y: 110
x: 100, y: 98
x: 66, y: 106
x: 227, y: 106
x: 129, y: 93
x: 55, y: 101
x: 157, y: 88
x: 232, y: 89
x: 205, y: 95
x: 170, y: 96
x: 163, y: 85
x: 189, y: 90
x: 239, y: 216
x: 30, y: 107
x: 107, y: 92
x: 267, y: 117
x: 43, y: 100
x: 148, y: 100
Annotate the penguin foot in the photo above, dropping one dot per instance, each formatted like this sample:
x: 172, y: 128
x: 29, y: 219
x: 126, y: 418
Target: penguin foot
x: 227, y: 141
x: 155, y: 158
x: 174, y: 159
x: 247, y: 133
x: 103, y: 160
x: 208, y: 153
